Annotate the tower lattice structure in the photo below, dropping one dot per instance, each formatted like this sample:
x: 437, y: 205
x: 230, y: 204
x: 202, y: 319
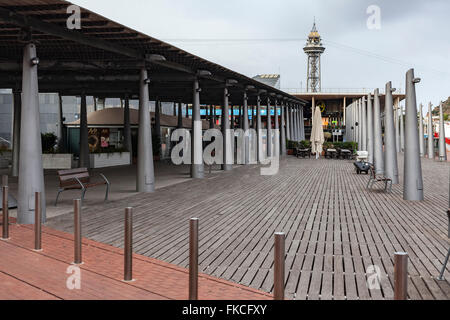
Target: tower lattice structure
x: 314, y: 50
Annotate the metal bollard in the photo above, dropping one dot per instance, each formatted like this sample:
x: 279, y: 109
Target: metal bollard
x: 278, y: 273
x: 128, y: 246
x: 4, y: 180
x: 5, y: 213
x: 193, y: 259
x: 77, y: 231
x: 400, y: 276
x: 37, y: 222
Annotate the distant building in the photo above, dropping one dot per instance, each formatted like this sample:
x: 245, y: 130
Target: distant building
x: 272, y: 80
x: 49, y: 111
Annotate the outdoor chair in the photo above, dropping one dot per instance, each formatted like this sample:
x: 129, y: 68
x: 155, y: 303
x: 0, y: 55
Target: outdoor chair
x: 303, y: 153
x: 373, y: 177
x: 79, y: 179
x: 362, y: 156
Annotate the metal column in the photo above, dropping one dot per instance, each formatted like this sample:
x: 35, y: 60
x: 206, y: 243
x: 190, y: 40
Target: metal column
x: 276, y: 149
x: 413, y: 183
x: 269, y: 130
x: 390, y: 148
x: 421, y: 136
x: 84, y: 143
x: 180, y: 116
x: 145, y: 180
x: 127, y: 129
x: 31, y: 173
x: 259, y: 130
x: 402, y: 130
x: 158, y: 125
x: 197, y: 168
x: 283, y: 129
x: 363, y: 124
x: 378, y: 142
x: 245, y: 125
x: 226, y: 132
x: 430, y: 132
x: 370, y: 142
x: 442, y: 149
x: 16, y: 133
x: 288, y: 121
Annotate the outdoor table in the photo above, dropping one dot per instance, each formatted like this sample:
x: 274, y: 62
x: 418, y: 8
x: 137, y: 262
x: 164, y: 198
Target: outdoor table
x: 331, y: 153
x: 346, y: 154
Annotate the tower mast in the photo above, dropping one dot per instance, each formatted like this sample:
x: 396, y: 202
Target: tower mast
x: 313, y: 50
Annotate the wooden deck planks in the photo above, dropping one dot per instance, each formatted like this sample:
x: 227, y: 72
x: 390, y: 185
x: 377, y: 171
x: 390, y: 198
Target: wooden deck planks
x: 335, y: 228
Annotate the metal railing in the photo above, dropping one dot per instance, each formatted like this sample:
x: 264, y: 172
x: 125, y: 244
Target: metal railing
x: 337, y: 90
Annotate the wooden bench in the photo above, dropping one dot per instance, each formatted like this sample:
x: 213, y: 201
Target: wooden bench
x: 378, y: 178
x: 79, y: 179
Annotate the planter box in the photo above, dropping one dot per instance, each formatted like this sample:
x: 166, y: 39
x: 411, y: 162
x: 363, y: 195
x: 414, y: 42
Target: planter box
x: 57, y: 161
x: 5, y: 159
x: 103, y: 160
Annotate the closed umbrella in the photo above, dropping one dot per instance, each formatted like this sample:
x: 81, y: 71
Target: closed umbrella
x: 317, y: 138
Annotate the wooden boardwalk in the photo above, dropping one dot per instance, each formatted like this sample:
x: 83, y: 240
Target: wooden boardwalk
x: 335, y: 228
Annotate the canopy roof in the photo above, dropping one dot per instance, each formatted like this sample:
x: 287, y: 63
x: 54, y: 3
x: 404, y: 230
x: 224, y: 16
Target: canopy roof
x: 103, y: 58
x: 115, y: 117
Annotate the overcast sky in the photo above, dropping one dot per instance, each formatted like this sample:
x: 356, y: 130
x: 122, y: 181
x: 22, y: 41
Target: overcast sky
x: 262, y: 36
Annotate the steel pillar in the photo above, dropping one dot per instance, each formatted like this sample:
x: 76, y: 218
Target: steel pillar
x: 402, y: 130
x: 62, y: 137
x: 397, y: 126
x: 296, y: 124
x: 378, y: 142
x: 293, y: 124
x: 288, y: 122
x: 370, y: 137
x: 180, y: 116
x: 390, y: 149
x: 246, y: 127
x: 269, y: 130
x: 421, y: 136
x: 16, y: 133
x: 145, y: 181
x: 363, y: 124
x: 127, y: 129
x: 276, y: 149
x: 158, y: 123
x: 31, y: 173
x: 413, y: 183
x: 358, y: 112
x: 299, y: 127
x: 84, y: 133
x: 197, y: 167
x: 226, y: 132
x: 430, y: 132
x: 302, y: 124
x: 283, y: 129
x: 259, y: 130
x: 442, y: 148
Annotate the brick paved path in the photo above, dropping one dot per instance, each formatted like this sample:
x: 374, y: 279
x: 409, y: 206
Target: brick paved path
x: 335, y: 228
x: 25, y: 274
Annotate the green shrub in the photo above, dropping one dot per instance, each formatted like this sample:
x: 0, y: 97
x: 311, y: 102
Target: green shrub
x: 305, y: 144
x: 291, y: 144
x: 48, y: 142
